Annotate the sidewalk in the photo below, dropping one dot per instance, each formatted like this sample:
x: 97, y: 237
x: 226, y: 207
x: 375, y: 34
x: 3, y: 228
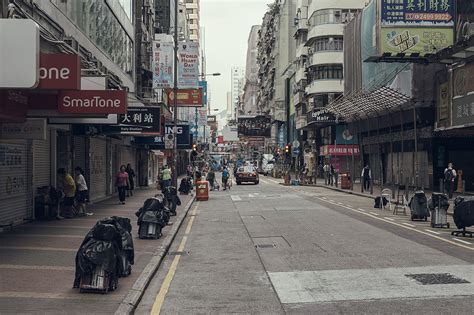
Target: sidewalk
x: 37, y: 260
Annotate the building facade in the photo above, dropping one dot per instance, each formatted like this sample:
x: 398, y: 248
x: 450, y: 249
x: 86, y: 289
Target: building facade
x: 193, y: 12
x: 249, y: 104
x: 237, y: 81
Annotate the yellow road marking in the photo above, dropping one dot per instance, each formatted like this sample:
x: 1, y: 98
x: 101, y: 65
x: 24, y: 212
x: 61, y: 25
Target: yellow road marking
x: 402, y: 226
x: 160, y: 298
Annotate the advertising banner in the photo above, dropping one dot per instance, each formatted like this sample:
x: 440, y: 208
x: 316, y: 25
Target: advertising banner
x: 163, y: 53
x: 93, y: 102
x: 464, y: 80
x: 60, y: 72
x: 420, y: 40
x: 188, y: 65
x: 188, y: 97
x: 339, y: 150
x: 463, y: 110
x: 203, y: 87
x: 254, y: 126
x: 184, y: 138
x: 202, y: 117
x: 345, y: 136
x: 417, y: 12
x: 141, y: 120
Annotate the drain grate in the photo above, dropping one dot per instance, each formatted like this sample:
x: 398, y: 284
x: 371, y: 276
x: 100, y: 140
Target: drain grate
x: 183, y: 253
x: 436, y: 278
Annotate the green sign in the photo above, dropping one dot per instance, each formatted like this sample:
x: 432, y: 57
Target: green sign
x: 422, y: 40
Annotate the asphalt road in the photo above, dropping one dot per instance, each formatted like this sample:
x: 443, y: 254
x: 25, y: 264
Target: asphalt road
x: 271, y: 249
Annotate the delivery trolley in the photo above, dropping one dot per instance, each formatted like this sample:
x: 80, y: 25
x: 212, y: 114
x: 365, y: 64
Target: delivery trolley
x: 439, y: 204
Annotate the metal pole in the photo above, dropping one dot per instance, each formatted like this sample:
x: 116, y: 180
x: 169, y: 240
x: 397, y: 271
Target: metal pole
x: 415, y: 157
x: 175, y: 94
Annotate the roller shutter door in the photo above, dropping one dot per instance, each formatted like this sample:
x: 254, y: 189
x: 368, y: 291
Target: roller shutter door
x: 98, y: 168
x: 129, y: 155
x: 42, y: 162
x: 15, y: 185
x: 80, y: 152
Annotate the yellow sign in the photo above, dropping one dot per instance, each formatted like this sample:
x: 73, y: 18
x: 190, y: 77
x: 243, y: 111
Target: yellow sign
x: 422, y: 40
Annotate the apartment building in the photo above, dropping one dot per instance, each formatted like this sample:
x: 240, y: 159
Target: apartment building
x: 192, y: 10
x: 237, y: 89
x: 249, y: 103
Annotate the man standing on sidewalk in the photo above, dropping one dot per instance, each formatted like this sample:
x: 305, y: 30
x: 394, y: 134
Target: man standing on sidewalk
x: 366, y: 177
x: 69, y: 187
x: 449, y: 178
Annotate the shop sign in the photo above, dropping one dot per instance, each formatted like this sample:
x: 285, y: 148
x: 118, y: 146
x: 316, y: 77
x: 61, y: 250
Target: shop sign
x: 422, y: 40
x: 211, y: 119
x: 60, y: 72
x: 339, y: 150
x: 321, y: 117
x: 443, y: 98
x: 12, y: 162
x: 417, y: 12
x: 189, y: 97
x: 256, y: 141
x: 141, y: 120
x: 93, y: 102
x: 463, y: 110
x: 32, y: 129
x: 188, y: 65
x: 163, y: 56
x: 254, y: 126
x: 464, y: 80
x: 183, y: 138
x: 13, y: 105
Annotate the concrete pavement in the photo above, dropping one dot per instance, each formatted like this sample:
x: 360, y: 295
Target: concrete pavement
x: 273, y: 249
x: 37, y: 261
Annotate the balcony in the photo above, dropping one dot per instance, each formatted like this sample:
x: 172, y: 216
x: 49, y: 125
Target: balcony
x: 325, y: 86
x: 326, y: 57
x: 326, y: 30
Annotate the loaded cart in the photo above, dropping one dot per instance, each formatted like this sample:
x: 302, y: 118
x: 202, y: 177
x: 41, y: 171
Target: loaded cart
x: 439, y: 204
x: 152, y: 218
x: 418, y: 206
x: 463, y: 215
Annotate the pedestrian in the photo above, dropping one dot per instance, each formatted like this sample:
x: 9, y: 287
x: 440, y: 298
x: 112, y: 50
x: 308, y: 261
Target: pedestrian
x: 122, y: 183
x: 211, y: 176
x: 82, y: 191
x: 366, y: 177
x: 166, y: 177
x: 332, y: 175
x: 449, y: 179
x: 190, y: 170
x: 327, y: 173
x: 131, y: 180
x: 225, y: 177
x: 69, y: 188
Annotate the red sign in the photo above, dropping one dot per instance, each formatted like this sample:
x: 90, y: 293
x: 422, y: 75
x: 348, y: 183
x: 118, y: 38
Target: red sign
x: 339, y: 150
x: 13, y: 106
x: 93, y: 102
x: 220, y: 139
x: 60, y: 72
x: 191, y: 97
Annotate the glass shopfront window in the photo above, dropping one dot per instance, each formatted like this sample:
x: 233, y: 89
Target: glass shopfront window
x: 98, y: 22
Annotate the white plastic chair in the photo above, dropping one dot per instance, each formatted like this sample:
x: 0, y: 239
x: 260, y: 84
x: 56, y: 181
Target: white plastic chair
x: 387, y: 194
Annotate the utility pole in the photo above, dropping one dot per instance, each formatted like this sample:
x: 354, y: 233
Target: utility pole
x: 175, y: 94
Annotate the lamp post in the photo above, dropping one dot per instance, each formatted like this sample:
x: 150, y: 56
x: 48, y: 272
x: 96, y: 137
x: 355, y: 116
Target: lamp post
x: 175, y: 94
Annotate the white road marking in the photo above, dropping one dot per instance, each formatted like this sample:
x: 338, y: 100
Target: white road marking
x: 340, y: 203
x: 457, y: 239
x: 235, y: 198
x: 431, y: 231
x: 324, y: 198
x: 349, y: 206
x: 361, y: 210
x: 331, y: 200
x: 387, y: 218
x: 368, y: 284
x: 408, y: 224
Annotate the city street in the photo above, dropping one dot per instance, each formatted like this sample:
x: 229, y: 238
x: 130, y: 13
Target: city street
x: 273, y: 249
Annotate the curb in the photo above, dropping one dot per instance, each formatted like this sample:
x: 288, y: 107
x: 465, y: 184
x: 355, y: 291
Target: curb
x: 135, y: 294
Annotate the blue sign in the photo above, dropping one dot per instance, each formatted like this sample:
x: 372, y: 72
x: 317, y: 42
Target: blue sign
x: 203, y: 86
x: 417, y: 12
x: 295, y: 151
x: 183, y: 137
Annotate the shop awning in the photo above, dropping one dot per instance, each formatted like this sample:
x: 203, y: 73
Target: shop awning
x: 362, y: 105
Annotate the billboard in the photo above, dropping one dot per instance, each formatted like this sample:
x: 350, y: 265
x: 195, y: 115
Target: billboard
x: 417, y: 12
x: 254, y: 126
x: 422, y: 40
x: 163, y: 64
x: 138, y: 120
x: 188, y: 65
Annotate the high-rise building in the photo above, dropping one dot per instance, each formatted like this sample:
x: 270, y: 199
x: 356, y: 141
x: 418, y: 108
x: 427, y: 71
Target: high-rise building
x: 237, y: 88
x: 249, y: 104
x: 192, y: 10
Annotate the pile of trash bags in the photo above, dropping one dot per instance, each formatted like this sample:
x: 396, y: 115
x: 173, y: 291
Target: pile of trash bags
x: 107, y: 247
x: 171, y: 199
x: 464, y: 211
x: 419, y: 206
x: 153, y: 216
x: 185, y: 186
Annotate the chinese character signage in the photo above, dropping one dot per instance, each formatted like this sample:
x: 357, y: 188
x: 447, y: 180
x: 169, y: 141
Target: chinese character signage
x: 415, y: 40
x: 163, y: 53
x: 254, y: 126
x: 339, y: 150
x: 138, y: 120
x: 463, y: 110
x: 188, y: 65
x: 183, y: 138
x: 417, y: 12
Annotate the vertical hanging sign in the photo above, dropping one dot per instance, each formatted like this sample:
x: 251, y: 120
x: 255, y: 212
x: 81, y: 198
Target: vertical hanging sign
x: 188, y: 65
x: 163, y: 53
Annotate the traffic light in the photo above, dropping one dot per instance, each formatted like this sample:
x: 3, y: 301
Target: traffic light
x: 194, y: 147
x: 287, y: 149
x: 194, y: 153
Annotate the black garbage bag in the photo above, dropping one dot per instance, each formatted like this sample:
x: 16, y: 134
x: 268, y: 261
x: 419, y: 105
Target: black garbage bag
x: 153, y: 211
x: 438, y: 200
x: 185, y: 186
x: 378, y: 202
x: 464, y: 211
x: 419, y: 205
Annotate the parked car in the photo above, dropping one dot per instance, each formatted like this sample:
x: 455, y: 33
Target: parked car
x: 246, y: 174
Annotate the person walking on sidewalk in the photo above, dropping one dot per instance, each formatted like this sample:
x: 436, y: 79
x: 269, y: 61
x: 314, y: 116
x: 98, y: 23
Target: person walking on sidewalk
x: 166, y: 177
x: 122, y: 183
x: 82, y: 191
x: 225, y: 177
x: 327, y: 173
x: 366, y: 177
x: 211, y: 176
x: 69, y: 188
x: 449, y: 179
x: 131, y: 180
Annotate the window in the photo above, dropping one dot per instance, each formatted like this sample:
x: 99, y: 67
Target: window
x: 328, y: 44
x: 326, y: 72
x: 332, y: 16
